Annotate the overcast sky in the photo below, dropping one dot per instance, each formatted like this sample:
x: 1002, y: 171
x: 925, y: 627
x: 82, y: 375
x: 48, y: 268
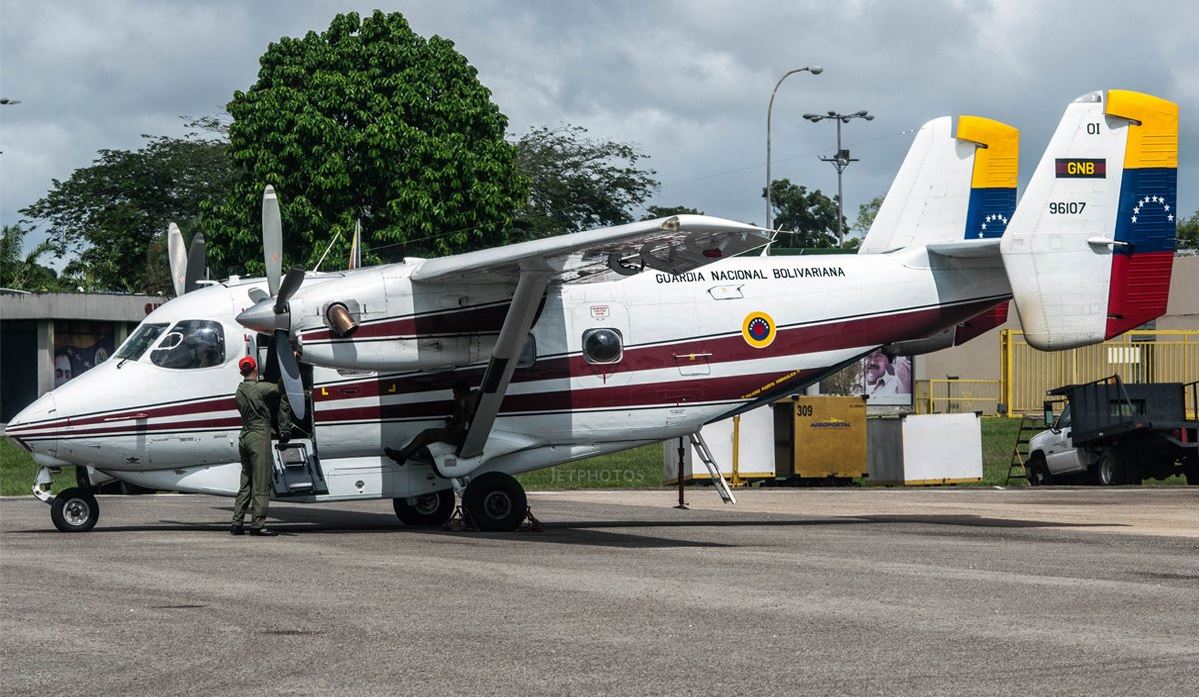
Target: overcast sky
x: 687, y: 82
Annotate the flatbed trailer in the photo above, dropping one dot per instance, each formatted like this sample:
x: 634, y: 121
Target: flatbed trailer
x: 1133, y: 431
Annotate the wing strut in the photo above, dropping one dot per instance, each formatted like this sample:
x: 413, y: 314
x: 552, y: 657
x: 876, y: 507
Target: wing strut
x: 534, y: 277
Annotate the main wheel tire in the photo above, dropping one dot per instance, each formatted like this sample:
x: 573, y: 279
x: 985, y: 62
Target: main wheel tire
x: 496, y: 502
x: 74, y: 511
x: 1038, y: 471
x: 1109, y: 470
x: 430, y: 510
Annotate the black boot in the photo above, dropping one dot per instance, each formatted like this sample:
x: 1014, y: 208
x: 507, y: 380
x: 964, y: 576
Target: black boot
x: 263, y: 532
x: 237, y: 529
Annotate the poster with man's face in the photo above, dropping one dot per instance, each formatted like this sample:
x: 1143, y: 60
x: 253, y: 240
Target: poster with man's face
x: 79, y: 346
x: 883, y: 376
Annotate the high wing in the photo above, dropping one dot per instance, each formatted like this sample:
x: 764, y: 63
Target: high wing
x: 671, y: 245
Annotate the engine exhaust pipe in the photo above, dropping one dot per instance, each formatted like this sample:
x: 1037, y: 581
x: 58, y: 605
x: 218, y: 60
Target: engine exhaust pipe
x: 339, y: 319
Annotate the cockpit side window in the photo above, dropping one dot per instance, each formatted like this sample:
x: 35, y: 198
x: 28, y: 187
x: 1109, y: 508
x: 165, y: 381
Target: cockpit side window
x: 190, y: 344
x: 141, y: 339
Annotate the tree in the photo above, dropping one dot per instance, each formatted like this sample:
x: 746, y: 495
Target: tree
x: 1188, y: 232
x: 109, y: 214
x: 370, y: 121
x: 808, y: 218
x: 24, y: 272
x: 578, y: 183
x: 652, y: 212
x: 866, y: 214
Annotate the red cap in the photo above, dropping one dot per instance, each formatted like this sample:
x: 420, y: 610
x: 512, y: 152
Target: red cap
x: 247, y: 365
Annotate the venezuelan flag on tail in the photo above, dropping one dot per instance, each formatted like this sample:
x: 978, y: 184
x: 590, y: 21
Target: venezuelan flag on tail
x: 1146, y: 228
x: 958, y: 181
x: 1089, y: 250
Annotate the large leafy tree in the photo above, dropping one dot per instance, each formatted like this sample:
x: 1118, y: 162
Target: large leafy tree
x: 807, y: 218
x: 577, y: 182
x: 108, y: 216
x: 24, y: 271
x: 369, y: 121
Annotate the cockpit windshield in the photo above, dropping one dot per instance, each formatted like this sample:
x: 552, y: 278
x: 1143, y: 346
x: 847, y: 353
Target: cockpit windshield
x: 141, y: 339
x: 191, y: 343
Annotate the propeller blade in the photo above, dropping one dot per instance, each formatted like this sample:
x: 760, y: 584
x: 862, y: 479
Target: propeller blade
x: 291, y: 283
x: 257, y: 295
x: 177, y: 257
x: 197, y: 262
x: 272, y: 238
x: 289, y: 370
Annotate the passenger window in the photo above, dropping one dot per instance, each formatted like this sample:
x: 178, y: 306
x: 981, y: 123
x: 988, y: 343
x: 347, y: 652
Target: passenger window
x: 528, y: 354
x: 602, y: 346
x: 192, y: 343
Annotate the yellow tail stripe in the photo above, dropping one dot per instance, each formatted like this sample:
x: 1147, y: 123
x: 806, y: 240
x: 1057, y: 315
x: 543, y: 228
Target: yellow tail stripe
x: 996, y: 166
x: 1154, y: 143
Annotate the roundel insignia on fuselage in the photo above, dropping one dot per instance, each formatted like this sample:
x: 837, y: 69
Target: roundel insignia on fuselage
x: 758, y: 329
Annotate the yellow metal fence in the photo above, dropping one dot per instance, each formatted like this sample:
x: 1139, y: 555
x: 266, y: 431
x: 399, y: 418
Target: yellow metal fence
x: 956, y: 395
x: 1137, y: 356
x: 1026, y: 374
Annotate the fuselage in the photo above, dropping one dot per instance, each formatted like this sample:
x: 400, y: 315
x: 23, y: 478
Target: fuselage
x: 693, y: 349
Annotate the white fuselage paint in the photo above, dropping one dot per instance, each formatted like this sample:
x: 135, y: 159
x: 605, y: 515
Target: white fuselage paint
x: 688, y: 360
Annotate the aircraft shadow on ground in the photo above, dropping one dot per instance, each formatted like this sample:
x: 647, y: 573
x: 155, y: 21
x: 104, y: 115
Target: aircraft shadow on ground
x: 295, y: 520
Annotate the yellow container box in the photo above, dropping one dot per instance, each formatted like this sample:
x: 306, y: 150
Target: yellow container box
x: 820, y: 437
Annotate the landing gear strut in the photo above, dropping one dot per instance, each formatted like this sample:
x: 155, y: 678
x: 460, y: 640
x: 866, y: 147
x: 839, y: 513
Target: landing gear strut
x: 496, y: 502
x: 76, y: 509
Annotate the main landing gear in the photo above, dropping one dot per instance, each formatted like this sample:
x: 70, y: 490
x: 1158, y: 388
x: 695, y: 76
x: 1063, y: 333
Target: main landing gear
x: 491, y: 502
x: 75, y: 509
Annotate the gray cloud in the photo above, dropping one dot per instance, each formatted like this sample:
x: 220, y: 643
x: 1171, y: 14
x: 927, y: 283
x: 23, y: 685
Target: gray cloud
x: 687, y: 81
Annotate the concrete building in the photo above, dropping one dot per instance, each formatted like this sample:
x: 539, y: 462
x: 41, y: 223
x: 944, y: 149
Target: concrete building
x: 48, y: 338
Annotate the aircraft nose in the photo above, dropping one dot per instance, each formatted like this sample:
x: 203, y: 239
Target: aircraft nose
x: 41, y: 409
x: 34, y: 420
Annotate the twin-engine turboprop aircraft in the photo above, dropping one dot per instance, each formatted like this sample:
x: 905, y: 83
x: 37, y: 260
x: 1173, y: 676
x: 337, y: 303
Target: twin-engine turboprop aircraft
x: 609, y: 339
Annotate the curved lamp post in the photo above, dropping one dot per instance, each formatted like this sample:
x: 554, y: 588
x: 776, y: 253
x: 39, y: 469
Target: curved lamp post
x: 815, y: 70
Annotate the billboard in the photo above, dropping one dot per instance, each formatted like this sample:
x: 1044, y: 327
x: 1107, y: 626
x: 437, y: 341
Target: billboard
x: 884, y: 376
x: 79, y: 346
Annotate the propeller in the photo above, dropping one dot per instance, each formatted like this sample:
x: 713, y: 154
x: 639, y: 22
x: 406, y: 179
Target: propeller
x: 177, y: 256
x: 272, y: 238
x: 271, y: 313
x: 197, y: 262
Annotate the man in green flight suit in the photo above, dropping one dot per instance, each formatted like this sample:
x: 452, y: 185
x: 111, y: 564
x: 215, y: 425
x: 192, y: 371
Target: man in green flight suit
x: 257, y: 402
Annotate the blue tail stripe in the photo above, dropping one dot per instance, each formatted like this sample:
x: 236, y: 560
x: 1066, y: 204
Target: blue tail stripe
x: 1148, y: 210
x: 989, y: 212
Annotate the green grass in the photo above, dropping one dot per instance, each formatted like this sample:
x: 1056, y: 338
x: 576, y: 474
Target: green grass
x: 640, y: 468
x: 17, y: 471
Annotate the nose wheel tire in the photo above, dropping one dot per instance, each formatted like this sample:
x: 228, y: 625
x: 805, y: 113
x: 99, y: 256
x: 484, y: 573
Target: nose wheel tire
x: 429, y: 510
x: 496, y: 502
x: 75, y: 511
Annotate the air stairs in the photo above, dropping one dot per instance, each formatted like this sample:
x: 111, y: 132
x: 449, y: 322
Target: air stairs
x: 1030, y: 425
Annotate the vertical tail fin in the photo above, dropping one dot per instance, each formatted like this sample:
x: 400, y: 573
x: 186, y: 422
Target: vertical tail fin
x: 1089, y: 250
x: 951, y: 185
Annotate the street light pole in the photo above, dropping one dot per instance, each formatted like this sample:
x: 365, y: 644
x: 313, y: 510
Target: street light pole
x: 815, y: 70
x: 840, y: 161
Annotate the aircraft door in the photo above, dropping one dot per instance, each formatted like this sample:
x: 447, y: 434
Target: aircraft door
x: 297, y: 468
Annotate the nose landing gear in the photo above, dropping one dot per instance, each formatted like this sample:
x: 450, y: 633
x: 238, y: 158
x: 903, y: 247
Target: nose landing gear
x: 73, y: 510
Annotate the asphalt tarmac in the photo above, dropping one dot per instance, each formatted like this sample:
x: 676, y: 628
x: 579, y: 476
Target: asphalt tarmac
x: 828, y: 592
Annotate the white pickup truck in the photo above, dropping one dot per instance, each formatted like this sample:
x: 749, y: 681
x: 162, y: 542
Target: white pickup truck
x: 1111, y: 432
